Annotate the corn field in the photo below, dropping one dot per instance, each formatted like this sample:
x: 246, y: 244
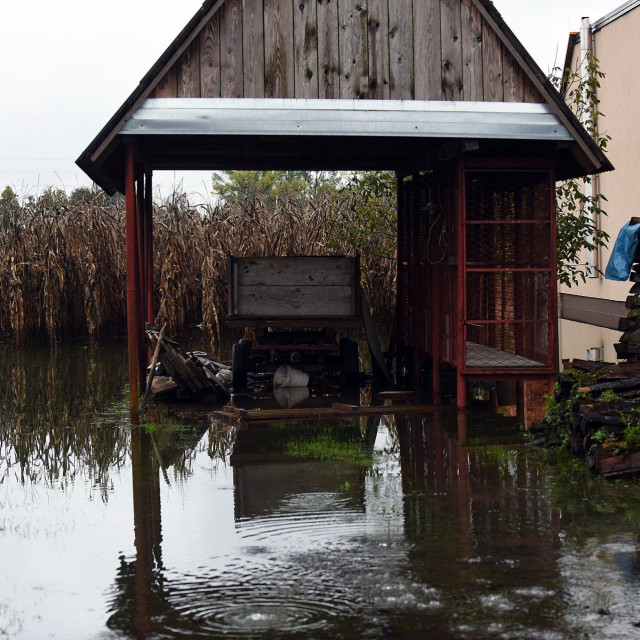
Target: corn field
x: 63, y: 272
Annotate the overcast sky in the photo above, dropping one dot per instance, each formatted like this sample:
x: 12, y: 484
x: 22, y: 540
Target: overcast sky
x: 67, y: 65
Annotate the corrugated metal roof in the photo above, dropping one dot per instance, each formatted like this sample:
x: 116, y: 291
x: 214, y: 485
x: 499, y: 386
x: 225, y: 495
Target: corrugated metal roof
x: 361, y: 118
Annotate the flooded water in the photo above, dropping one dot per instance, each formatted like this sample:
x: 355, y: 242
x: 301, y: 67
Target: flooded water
x: 402, y: 527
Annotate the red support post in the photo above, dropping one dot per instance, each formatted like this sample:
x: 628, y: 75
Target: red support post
x: 149, y: 245
x: 436, y: 332
x: 553, y: 347
x: 132, y: 286
x: 401, y: 311
x: 461, y: 347
x: 416, y: 287
x: 140, y: 208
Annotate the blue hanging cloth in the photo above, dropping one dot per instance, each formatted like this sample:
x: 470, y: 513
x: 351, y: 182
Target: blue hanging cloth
x: 624, y: 249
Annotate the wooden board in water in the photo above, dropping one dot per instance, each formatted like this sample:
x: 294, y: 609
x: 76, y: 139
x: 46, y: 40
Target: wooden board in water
x: 335, y: 411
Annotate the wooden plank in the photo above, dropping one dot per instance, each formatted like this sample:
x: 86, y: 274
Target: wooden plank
x: 451, y: 29
x: 305, y: 33
x: 531, y: 94
x: 427, y: 50
x: 295, y: 271
x: 253, y: 48
x: 379, y: 88
x: 401, y: 81
x: 336, y: 410
x: 168, y: 86
x: 189, y: 72
x: 620, y: 465
x: 210, y: 59
x: 162, y: 384
x: 512, y: 78
x: 353, y: 47
x: 471, y: 52
x: 294, y: 301
x: 328, y: 49
x: 491, y: 65
x: 278, y: 49
x: 231, y: 83
x: 289, y: 322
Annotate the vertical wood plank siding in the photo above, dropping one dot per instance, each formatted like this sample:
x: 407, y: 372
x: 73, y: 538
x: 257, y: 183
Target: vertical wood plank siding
x: 210, y: 59
x: 328, y: 56
x: 305, y: 38
x: 491, y: 65
x: 513, y: 79
x: 168, y: 86
x: 471, y: 52
x: 451, y: 27
x: 402, y: 83
x: 353, y: 43
x: 278, y: 49
x: 189, y: 72
x: 231, y: 82
x: 427, y: 50
x: 378, y: 49
x: 253, y: 48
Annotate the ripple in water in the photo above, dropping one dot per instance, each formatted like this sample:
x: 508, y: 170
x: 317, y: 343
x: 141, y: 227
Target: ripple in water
x: 289, y: 600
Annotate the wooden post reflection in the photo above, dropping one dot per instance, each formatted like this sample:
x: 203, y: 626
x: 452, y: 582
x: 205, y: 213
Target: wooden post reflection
x: 148, y: 527
x: 464, y: 488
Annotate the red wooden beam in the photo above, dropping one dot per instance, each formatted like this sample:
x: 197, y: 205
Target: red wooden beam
x: 148, y: 245
x: 553, y: 282
x: 140, y: 267
x: 416, y: 286
x: 401, y: 257
x: 132, y: 285
x: 436, y: 332
x: 461, y: 337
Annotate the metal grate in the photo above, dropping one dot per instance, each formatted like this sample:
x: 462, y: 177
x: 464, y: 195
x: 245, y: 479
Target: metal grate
x: 509, y: 266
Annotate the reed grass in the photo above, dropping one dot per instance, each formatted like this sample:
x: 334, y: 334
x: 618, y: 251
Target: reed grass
x: 63, y: 271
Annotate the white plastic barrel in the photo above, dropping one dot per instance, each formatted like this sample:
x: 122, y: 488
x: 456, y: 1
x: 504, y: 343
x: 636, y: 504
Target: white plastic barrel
x: 287, y: 376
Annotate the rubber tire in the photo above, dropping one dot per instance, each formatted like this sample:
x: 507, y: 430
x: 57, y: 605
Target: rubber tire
x: 240, y: 364
x: 350, y: 362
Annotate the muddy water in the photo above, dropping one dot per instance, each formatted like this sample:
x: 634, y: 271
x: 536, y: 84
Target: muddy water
x: 407, y: 527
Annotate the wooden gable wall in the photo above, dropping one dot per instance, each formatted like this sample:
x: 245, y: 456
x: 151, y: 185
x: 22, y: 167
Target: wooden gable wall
x: 377, y: 49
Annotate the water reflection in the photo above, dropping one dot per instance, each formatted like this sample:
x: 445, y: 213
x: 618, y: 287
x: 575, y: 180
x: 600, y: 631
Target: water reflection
x: 421, y: 527
x: 52, y: 412
x: 463, y: 542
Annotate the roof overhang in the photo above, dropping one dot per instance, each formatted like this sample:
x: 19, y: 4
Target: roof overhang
x: 247, y: 133
x: 354, y: 118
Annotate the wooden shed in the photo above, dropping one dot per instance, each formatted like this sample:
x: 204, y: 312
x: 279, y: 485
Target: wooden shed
x: 440, y: 91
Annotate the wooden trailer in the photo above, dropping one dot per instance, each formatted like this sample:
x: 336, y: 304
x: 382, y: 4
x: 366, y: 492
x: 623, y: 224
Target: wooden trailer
x: 296, y: 305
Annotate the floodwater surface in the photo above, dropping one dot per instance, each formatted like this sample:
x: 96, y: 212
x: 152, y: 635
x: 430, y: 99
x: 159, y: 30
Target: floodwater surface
x: 402, y: 527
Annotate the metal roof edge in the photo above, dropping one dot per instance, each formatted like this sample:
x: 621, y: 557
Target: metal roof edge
x: 614, y: 15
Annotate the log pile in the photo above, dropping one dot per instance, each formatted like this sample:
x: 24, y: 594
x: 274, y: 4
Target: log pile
x: 600, y: 396
x: 192, y: 375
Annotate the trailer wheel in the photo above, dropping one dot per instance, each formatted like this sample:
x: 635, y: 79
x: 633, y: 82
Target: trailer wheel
x: 240, y: 363
x: 350, y: 361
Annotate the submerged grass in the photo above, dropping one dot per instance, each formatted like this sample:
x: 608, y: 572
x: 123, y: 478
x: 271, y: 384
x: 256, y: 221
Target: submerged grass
x: 326, y: 446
